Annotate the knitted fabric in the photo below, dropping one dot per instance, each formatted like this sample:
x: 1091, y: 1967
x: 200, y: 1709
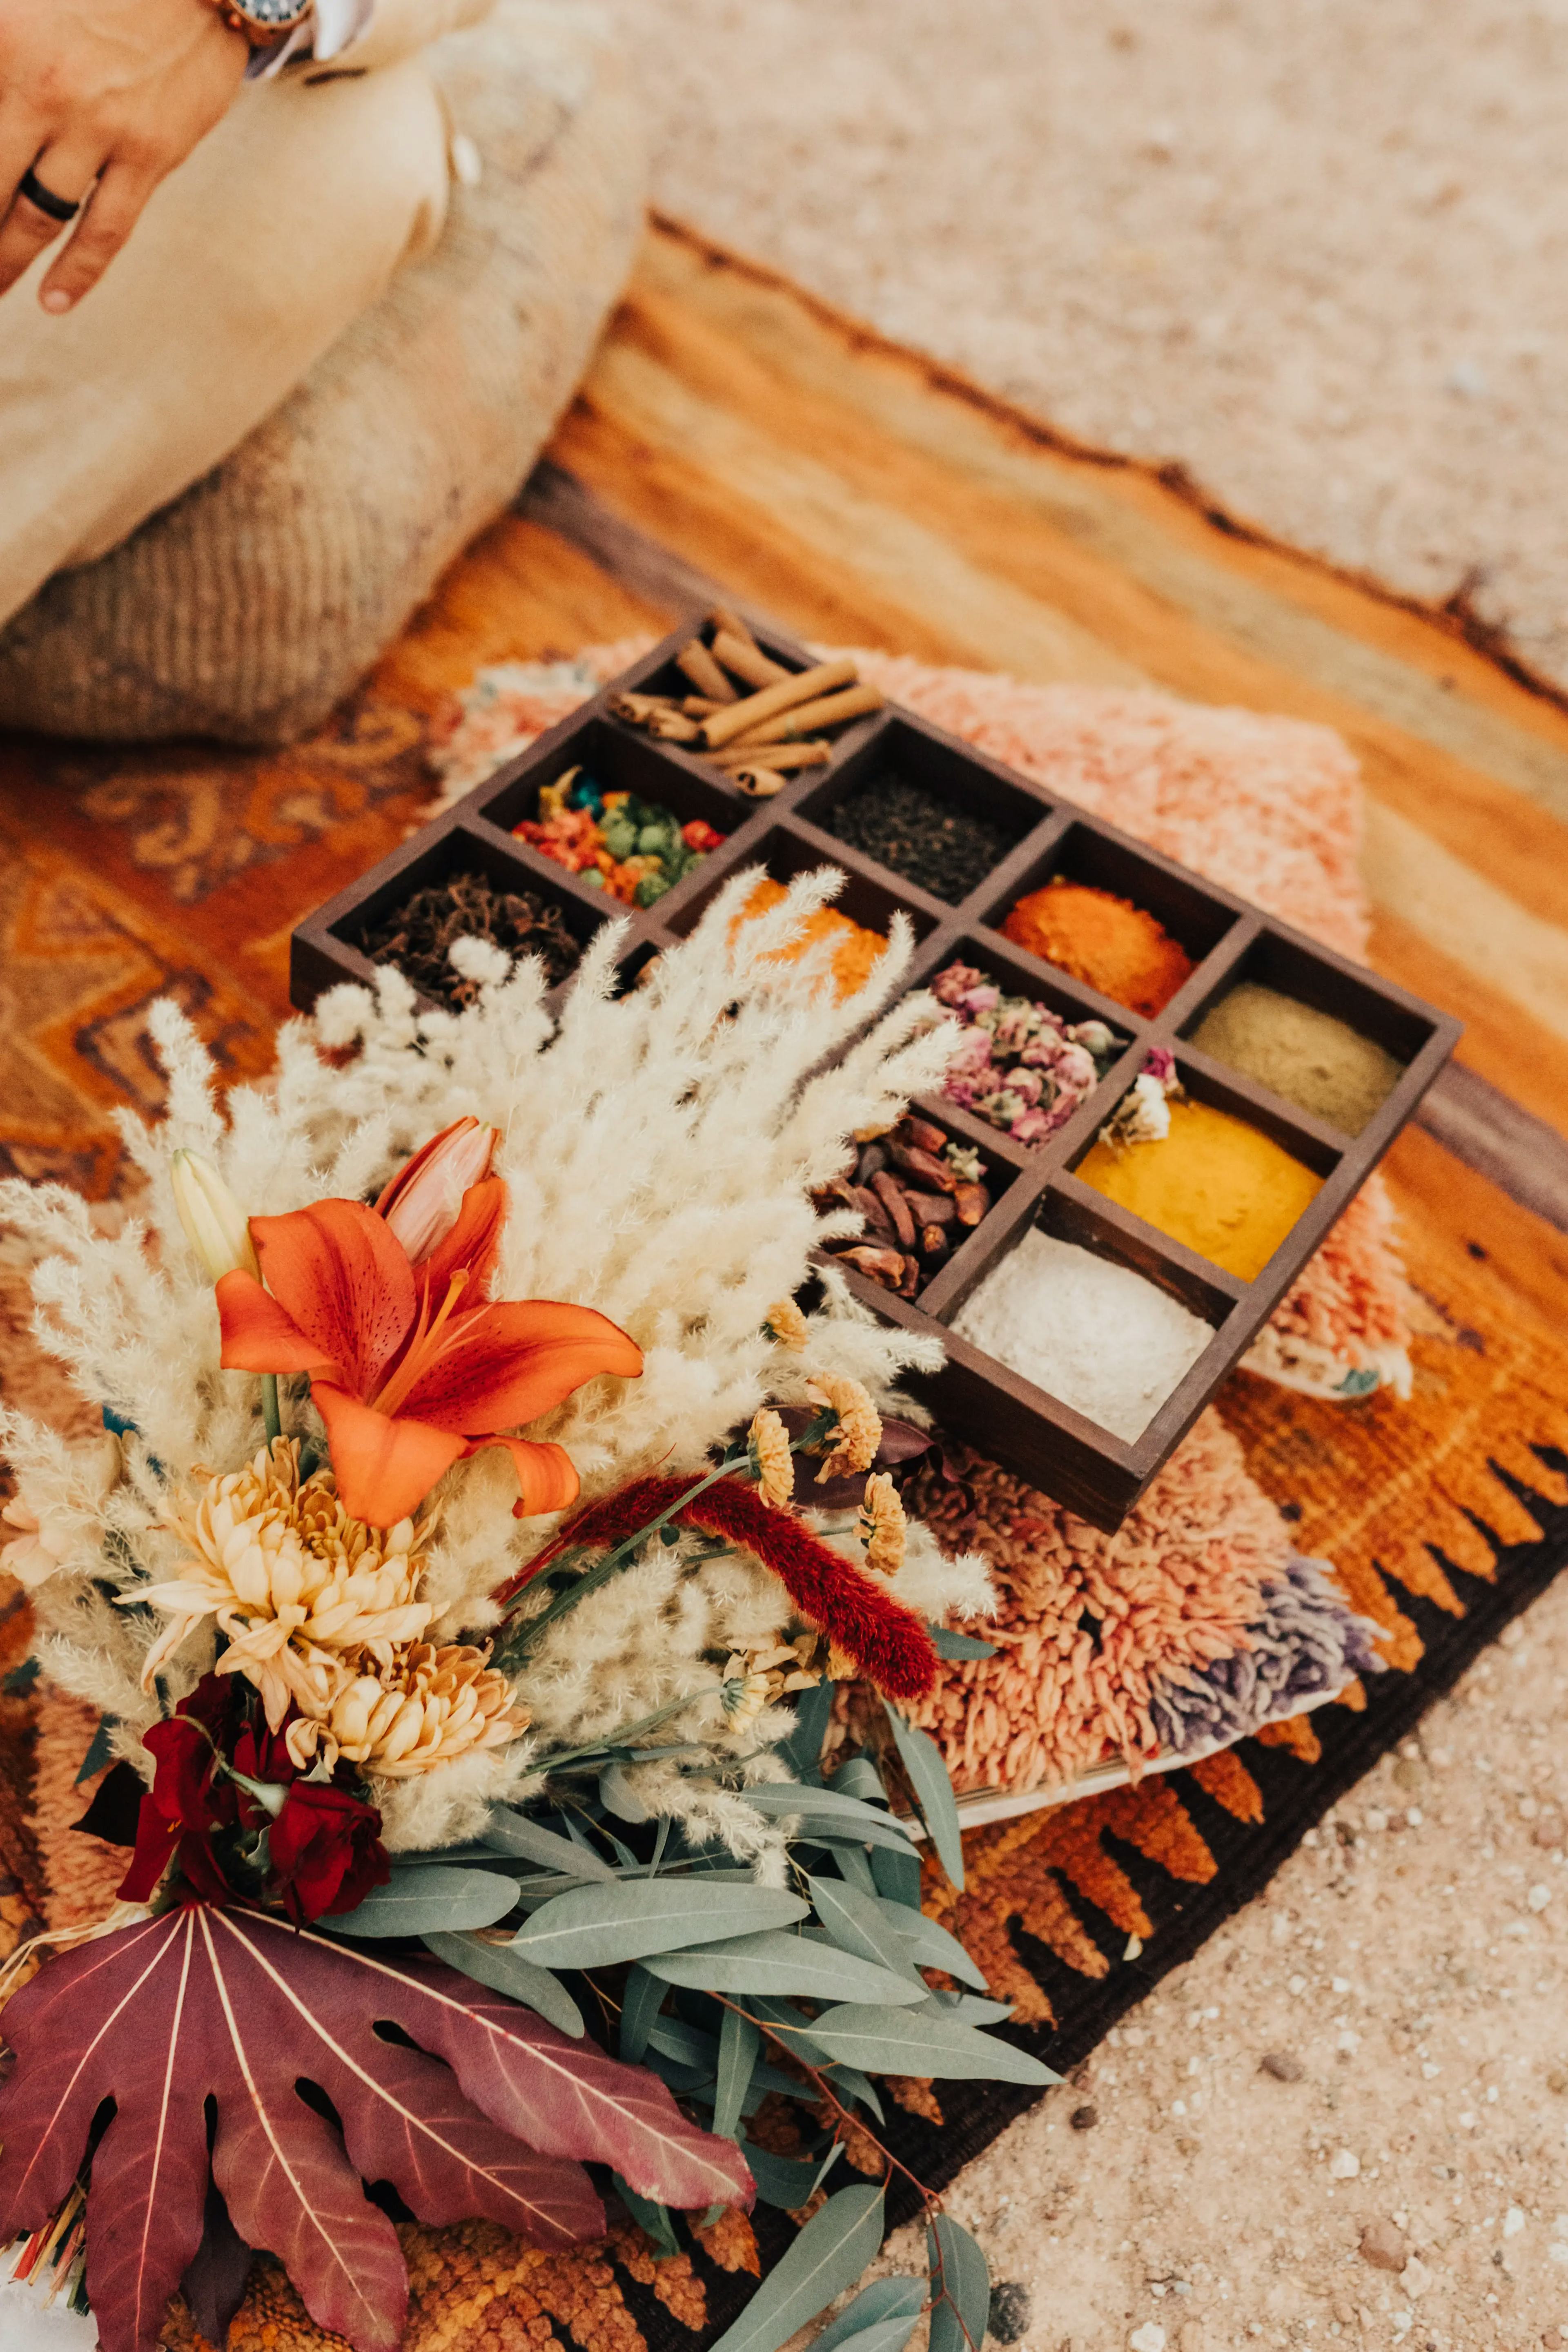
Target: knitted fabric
x: 250, y: 606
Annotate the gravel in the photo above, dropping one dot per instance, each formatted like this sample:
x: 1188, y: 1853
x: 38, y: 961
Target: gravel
x: 1314, y: 253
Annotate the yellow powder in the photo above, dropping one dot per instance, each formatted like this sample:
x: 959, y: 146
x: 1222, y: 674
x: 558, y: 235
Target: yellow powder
x: 855, y: 948
x: 1219, y: 1186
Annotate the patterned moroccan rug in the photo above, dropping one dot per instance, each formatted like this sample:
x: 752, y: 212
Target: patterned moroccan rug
x: 732, y: 431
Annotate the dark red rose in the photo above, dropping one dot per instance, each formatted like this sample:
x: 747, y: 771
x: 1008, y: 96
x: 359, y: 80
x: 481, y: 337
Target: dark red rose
x: 188, y: 1800
x: 325, y: 1850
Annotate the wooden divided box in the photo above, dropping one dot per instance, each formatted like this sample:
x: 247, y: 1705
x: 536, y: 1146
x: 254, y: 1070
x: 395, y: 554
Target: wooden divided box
x: 1028, y: 1431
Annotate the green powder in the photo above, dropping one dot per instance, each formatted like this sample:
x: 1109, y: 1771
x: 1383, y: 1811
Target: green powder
x: 1311, y: 1059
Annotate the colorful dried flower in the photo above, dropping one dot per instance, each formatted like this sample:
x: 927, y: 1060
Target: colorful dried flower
x: 772, y: 1463
x: 423, y: 1200
x: 859, y: 1430
x: 299, y: 1585
x: 883, y: 1529
x: 429, y: 1706
x: 407, y: 1380
x: 214, y: 1220
x: 788, y: 1325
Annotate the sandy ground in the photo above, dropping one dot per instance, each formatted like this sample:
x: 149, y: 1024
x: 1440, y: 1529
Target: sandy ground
x: 1314, y: 249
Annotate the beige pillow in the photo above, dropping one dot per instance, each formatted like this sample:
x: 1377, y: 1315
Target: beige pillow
x: 247, y: 608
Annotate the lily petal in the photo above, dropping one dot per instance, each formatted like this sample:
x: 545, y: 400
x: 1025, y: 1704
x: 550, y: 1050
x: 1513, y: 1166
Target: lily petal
x: 346, y: 1283
x: 260, y: 1335
x: 518, y: 1360
x: 385, y: 1467
x: 472, y: 1244
x: 547, y: 1476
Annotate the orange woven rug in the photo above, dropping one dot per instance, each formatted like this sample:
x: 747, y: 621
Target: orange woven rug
x: 733, y: 431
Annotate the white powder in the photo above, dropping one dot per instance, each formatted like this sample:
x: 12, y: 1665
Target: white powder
x: 1096, y: 1336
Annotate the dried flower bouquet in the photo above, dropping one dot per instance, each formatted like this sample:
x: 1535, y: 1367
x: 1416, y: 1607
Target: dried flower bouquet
x: 478, y: 1532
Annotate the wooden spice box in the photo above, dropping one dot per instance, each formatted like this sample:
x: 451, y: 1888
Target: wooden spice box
x: 1029, y: 1432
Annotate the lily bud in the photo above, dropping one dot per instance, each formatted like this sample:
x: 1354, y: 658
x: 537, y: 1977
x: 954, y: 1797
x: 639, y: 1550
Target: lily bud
x: 421, y: 1203
x: 215, y: 1225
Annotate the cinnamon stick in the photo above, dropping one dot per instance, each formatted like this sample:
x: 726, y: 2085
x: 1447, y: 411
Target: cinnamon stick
x: 827, y: 710
x: 782, y: 756
x: 760, y: 783
x: 696, y: 662
x: 808, y: 686
x: 747, y: 660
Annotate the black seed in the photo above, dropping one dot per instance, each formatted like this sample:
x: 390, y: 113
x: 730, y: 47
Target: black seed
x: 947, y: 850
x: 417, y: 935
x: 1084, y: 2118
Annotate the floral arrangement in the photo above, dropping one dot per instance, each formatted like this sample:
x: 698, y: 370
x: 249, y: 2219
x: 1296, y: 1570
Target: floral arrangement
x: 479, y: 1530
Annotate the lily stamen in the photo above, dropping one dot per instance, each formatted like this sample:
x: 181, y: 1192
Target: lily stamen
x: 427, y: 1347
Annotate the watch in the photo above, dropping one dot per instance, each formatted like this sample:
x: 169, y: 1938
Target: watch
x: 263, y: 23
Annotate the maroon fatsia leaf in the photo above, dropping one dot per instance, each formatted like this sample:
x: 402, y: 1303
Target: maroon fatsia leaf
x: 242, y: 2008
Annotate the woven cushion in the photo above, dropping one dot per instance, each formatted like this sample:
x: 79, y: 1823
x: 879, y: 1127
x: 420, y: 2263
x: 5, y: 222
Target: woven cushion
x: 248, y: 606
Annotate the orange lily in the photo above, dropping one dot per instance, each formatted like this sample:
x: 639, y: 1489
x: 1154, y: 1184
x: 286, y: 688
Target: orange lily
x: 406, y: 1378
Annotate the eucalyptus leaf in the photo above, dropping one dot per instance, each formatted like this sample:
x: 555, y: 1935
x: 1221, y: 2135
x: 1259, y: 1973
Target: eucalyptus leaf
x: 640, y: 2005
x: 791, y: 2025
x: 829, y: 2255
x: 774, y: 1962
x: 928, y: 1778
x: 423, y: 1901
x: 739, y: 2048
x: 824, y: 1806
x: 686, y: 2081
x: 860, y: 1777
x: 783, y: 2180
x: 949, y: 1644
x: 883, y: 2336
x: 877, y: 2306
x: 652, y: 2218
x: 802, y: 1751
x: 932, y: 1944
x: 922, y: 2042
x: 854, y: 1866
x: 858, y: 1924
x: 897, y: 1877
x: 595, y: 1926
x: 504, y: 1970
x: 687, y: 2043
x: 960, y: 2287
x: 968, y: 2009
x: 513, y: 1832
x: 851, y: 2083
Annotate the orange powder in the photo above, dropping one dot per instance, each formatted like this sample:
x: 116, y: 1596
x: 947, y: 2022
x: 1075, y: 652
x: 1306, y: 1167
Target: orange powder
x: 855, y: 948
x: 1222, y: 1188
x: 1117, y: 947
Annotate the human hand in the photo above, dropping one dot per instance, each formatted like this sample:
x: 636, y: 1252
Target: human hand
x: 111, y: 92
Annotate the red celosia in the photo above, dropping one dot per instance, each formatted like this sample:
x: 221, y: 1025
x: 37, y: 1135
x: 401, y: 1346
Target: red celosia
x: 888, y: 1642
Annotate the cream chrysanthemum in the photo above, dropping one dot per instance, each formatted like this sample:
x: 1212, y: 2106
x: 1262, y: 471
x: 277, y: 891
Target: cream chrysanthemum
x: 771, y: 1459
x: 758, y: 1678
x: 788, y: 1325
x: 428, y: 1706
x: 883, y: 1527
x: 307, y: 1596
x: 859, y: 1430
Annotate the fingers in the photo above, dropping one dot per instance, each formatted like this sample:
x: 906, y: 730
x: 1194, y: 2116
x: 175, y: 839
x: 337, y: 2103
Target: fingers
x: 28, y: 227
x: 115, y: 209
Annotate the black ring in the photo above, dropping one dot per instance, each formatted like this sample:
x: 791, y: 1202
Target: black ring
x: 59, y: 208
